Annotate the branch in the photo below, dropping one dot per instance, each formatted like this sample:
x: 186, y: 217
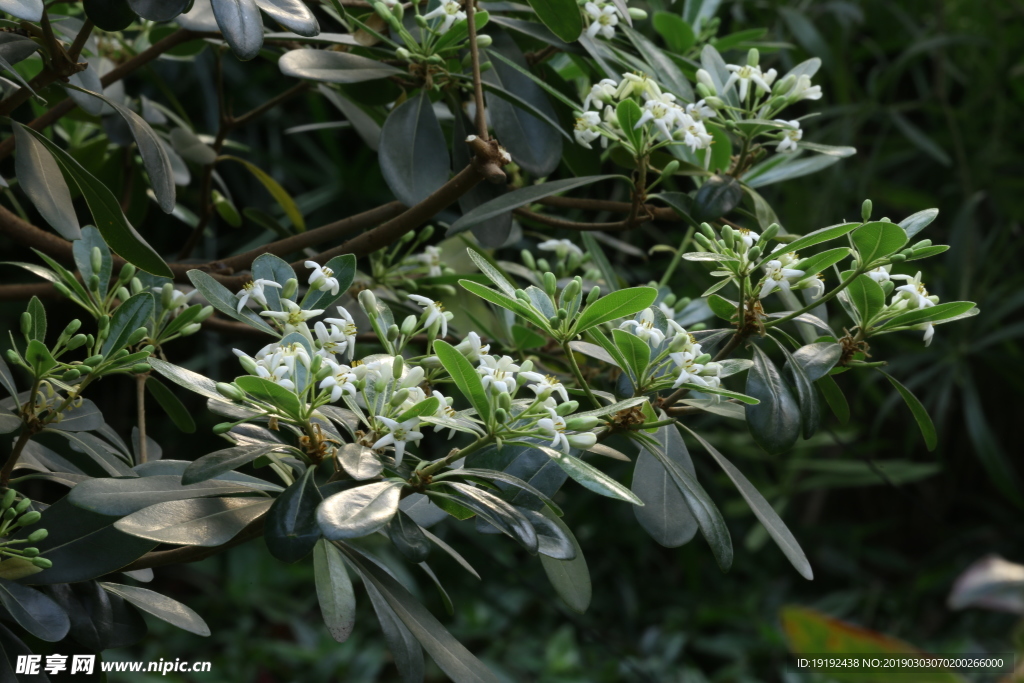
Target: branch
x: 659, y: 213
x: 478, y: 87
x: 573, y: 225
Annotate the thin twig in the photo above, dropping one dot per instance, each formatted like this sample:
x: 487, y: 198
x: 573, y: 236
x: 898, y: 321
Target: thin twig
x: 140, y: 412
x: 478, y: 86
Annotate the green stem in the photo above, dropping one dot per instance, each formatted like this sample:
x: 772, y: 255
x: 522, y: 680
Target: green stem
x: 579, y: 375
x: 817, y: 302
x: 678, y: 257
x: 452, y: 457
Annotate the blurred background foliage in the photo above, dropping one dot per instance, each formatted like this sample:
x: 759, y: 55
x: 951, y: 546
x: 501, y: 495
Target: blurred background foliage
x: 930, y: 93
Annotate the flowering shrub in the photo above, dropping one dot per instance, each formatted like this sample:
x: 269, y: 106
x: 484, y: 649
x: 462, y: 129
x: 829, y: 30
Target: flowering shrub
x: 436, y: 383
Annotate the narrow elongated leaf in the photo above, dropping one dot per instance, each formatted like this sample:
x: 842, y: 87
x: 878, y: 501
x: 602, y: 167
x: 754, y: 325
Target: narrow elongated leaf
x: 877, y: 239
x: 37, y: 329
x: 241, y: 24
x: 413, y: 152
x: 620, y: 304
x: 770, y: 172
x: 916, y: 222
x: 174, y: 408
x: 503, y: 515
x: 280, y: 195
x: 775, y: 421
x: 636, y: 352
x: 807, y: 397
x: 329, y: 66
x: 592, y: 478
x: 665, y: 514
x: 408, y: 537
x: 120, y: 497
x: 465, y: 377
x: 293, y: 15
x: 492, y: 273
x: 405, y: 648
x: 107, y: 214
x: 819, y: 262
x: 29, y: 10
x: 186, y: 378
x: 924, y: 420
x: 932, y: 314
x: 818, y: 359
x: 35, y: 612
x: 817, y: 237
x: 514, y: 305
x: 129, y: 316
x: 291, y: 530
x: 359, y: 511
x: 450, y: 655
x: 160, y: 606
x: 570, y: 578
x: 334, y: 590
x: 667, y: 73
x: 206, y: 522
x: 561, y: 16
x: 716, y: 197
x: 835, y: 398
x: 521, y: 197
x: 219, y: 462
x: 226, y: 302
x: 158, y: 10
x: 40, y: 177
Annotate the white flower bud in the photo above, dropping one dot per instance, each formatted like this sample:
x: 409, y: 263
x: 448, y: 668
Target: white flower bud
x: 585, y: 440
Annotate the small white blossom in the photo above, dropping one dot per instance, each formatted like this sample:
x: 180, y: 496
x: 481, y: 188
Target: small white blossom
x: 399, y: 434
x: 747, y: 74
x: 663, y: 111
x: 748, y: 237
x: 695, y: 135
x: 790, y: 136
x: 431, y: 257
x: 689, y: 371
x: 472, y: 347
x: 880, y: 274
x: 644, y: 328
x: 498, y: 373
x: 344, y: 326
x: 587, y: 129
x: 294, y: 316
x: 602, y: 92
x: 913, y: 294
x: 639, y: 84
x: 433, y: 310
x: 450, y: 11
x: 341, y: 380
x: 698, y: 111
x: 545, y: 385
x: 803, y: 90
x: 322, y: 278
x: 603, y: 19
x: 178, y: 297
x: 562, y: 248
x: 554, y: 427
x: 777, y: 276
x: 254, y: 290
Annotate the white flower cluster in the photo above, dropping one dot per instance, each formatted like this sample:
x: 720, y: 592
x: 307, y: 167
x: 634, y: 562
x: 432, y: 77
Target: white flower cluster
x: 779, y: 275
x: 695, y: 366
x: 603, y: 18
x: 675, y: 122
x: 449, y: 12
x: 907, y: 297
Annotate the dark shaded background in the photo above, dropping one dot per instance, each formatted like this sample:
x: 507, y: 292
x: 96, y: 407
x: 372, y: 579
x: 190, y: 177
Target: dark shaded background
x: 930, y: 94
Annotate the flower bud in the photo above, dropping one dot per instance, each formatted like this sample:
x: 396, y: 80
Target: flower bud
x: 550, y: 284
x: 783, y: 86
x: 865, y: 210
x: 29, y: 553
x: 582, y: 424
x: 409, y: 325
x: 9, y: 514
x: 501, y: 415
x: 399, y: 398
x: 71, y: 375
x: 594, y: 294
x: 583, y: 441
x: 126, y: 274
x: 708, y: 231
x: 248, y: 364
x: 527, y: 259
x: 402, y: 53
x: 543, y: 265
x: 204, y: 313
x: 754, y: 253
x: 702, y: 359
x: 571, y: 290
x: 23, y: 504
x: 223, y: 427
x: 637, y: 14
x: 13, y: 357
x: 888, y: 287
x: 567, y: 408
x: 554, y: 321
x: 137, y: 336
x: 289, y: 289
x: 397, y: 367
x: 526, y: 366
x: 897, y: 258
x: 136, y: 285
x: 38, y: 535
x: 421, y: 22
x: 30, y: 518
x: 393, y: 332
x: 922, y: 244
x: 753, y: 57
x: 141, y: 368
x: 704, y: 92
x: 770, y: 232
x: 704, y: 78
x: 380, y: 384
x: 484, y: 41
x: 42, y: 562
x: 504, y: 401
x: 122, y: 294
x: 93, y: 360
x: 230, y: 391
x: 94, y: 283
x: 8, y: 499
x: 26, y: 323
x: 523, y: 296
x: 368, y: 302
x: 96, y: 259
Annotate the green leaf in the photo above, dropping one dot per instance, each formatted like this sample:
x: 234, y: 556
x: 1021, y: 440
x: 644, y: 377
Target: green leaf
x: 427, y: 406
x: 924, y: 420
x: 214, y: 464
x: 810, y: 409
x: 716, y: 197
x: 280, y: 195
x: 291, y: 529
x: 226, y: 302
x: 591, y: 478
x: 242, y: 25
x: 35, y: 612
x: 38, y: 356
x: 561, y: 16
x: 107, y: 215
x: 570, y: 578
x: 764, y: 512
x: 413, y: 154
x: 131, y: 315
x: 205, y: 522
x: 867, y: 298
x: 634, y: 350
x: 817, y: 237
x: 358, y: 511
x: 161, y: 607
x: 499, y: 299
x: 678, y: 34
x: 835, y: 398
x: 666, y: 72
x: 877, y: 240
x: 526, y: 339
x: 819, y: 262
x: 329, y: 66
x: 818, y: 359
x: 109, y: 15
x: 616, y: 305
x: 932, y: 314
x: 41, y: 179
x: 270, y: 392
x: 192, y: 381
x: 521, y: 197
x: 598, y: 258
x: 491, y: 272
x: 334, y: 590
x: 628, y: 114
x: 119, y: 497
x: 465, y: 377
x: 174, y: 408
x: 450, y: 655
x: 665, y: 514
x: 37, y: 330
x: 772, y: 171
x: 275, y: 269
x: 775, y: 422
x: 344, y: 269
x: 916, y: 222
x: 501, y: 514
x: 408, y: 538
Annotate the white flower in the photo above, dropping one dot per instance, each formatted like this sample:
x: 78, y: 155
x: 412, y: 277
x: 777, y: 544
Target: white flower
x: 778, y: 276
x: 340, y: 381
x: 450, y: 10
x: 803, y: 90
x: 562, y: 248
x: 601, y: 92
x: 695, y: 135
x: 586, y: 129
x: 644, y: 328
x: 816, y: 284
x: 790, y: 136
x: 698, y: 111
x: 431, y: 257
x: 748, y: 237
x: 254, y: 290
x: 689, y: 371
x: 497, y: 373
x: 472, y: 347
x: 603, y: 19
x: 637, y: 83
x: 880, y: 274
x: 554, y: 426
x: 663, y: 111
x: 277, y: 363
x: 178, y: 297
x: 399, y: 434
x: 331, y: 341
x: 683, y: 341
x: 913, y: 293
x: 545, y: 385
x: 745, y: 75
x: 669, y: 312
x: 433, y: 310
x: 322, y: 278
x: 344, y: 326
x: 929, y: 332
x: 294, y: 316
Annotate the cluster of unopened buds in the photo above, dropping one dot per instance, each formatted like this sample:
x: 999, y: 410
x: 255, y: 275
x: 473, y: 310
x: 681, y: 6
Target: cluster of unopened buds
x: 567, y: 259
x: 675, y: 122
x: 14, y: 516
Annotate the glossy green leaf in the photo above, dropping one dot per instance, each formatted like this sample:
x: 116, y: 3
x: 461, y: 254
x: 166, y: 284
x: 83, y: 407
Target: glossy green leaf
x: 293, y: 15
x: 29, y: 10
x: 932, y: 314
x: 807, y: 397
x: 217, y: 463
x: 206, y: 522
x: 270, y: 392
x: 867, y: 298
x: 358, y: 511
x: 835, y: 398
x: 465, y: 377
x: 628, y: 114
x: 634, y: 350
x: 666, y: 72
x: 772, y: 171
x: 716, y: 197
x: 665, y: 514
x: 291, y: 529
x: 570, y: 578
x: 109, y: 15
x: 620, y: 304
x: 107, y: 215
x: 192, y: 381
x: 242, y: 25
x: 120, y: 497
x: 589, y: 477
x: 330, y: 66
x: 924, y: 420
x: 413, y: 152
x: 819, y: 262
x: 334, y: 590
x: 33, y: 611
x: 408, y: 538
x: 226, y: 302
x: 160, y: 606
x: 818, y: 359
x: 916, y: 222
x: 41, y: 179
x: 280, y: 195
x: 678, y: 34
x: 39, y: 358
x: 775, y: 422
x: 174, y: 408
x: 37, y: 330
x: 878, y: 239
x: 561, y: 16
x: 817, y: 237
